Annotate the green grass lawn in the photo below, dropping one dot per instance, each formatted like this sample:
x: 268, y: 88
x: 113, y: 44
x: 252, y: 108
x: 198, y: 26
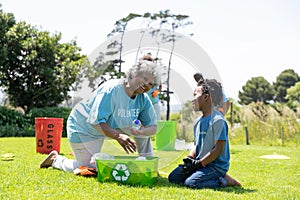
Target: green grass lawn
x: 261, y: 178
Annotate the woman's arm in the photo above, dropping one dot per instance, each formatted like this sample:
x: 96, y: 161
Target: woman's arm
x: 145, y: 131
x: 124, y: 140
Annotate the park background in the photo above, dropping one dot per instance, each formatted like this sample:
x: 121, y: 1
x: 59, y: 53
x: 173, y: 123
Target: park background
x: 244, y: 39
x: 261, y: 36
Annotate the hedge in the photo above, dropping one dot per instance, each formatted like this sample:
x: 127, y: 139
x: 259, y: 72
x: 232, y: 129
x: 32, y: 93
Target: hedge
x: 16, y: 124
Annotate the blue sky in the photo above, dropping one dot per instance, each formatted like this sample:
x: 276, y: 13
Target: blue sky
x: 244, y: 38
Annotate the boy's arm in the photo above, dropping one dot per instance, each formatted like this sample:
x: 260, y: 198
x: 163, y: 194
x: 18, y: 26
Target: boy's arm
x: 214, y: 153
x: 190, y: 164
x: 192, y: 153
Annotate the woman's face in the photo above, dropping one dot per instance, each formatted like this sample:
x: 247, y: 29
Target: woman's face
x: 142, y: 82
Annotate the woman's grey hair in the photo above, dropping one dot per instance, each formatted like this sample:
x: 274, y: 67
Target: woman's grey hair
x: 145, y: 67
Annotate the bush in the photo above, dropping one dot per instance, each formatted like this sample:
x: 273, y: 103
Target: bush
x: 14, y: 123
x: 57, y: 112
x: 272, y: 125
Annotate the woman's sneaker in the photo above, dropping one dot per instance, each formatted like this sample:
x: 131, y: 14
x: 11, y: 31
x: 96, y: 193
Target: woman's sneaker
x: 47, y: 162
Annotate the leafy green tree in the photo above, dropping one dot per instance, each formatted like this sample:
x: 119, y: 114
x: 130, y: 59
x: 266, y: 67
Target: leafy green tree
x: 258, y: 89
x: 7, y: 21
x: 293, y: 95
x: 284, y: 80
x: 39, y: 71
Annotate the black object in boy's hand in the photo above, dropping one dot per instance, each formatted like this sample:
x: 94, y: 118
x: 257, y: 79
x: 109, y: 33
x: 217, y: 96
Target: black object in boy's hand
x: 191, y: 165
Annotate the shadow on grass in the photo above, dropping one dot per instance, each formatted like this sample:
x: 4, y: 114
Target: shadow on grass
x: 234, y: 151
x: 159, y: 182
x: 163, y: 182
x: 236, y: 190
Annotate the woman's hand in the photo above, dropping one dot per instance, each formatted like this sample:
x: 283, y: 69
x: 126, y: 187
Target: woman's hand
x: 124, y: 140
x: 127, y: 143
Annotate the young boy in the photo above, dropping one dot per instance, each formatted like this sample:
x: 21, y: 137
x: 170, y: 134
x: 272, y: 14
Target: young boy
x: 222, y: 106
x: 208, y: 161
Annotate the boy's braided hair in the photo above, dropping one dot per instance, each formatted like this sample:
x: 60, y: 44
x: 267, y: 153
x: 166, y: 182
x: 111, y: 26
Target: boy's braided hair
x: 212, y: 87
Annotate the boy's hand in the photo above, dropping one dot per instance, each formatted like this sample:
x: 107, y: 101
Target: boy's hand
x: 191, y: 165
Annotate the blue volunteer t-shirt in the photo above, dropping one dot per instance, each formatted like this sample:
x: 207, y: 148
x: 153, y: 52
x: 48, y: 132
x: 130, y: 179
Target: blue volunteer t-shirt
x: 154, y: 100
x: 207, y: 131
x: 109, y: 104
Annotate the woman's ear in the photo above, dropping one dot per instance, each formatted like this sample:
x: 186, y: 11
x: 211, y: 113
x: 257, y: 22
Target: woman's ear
x: 206, y: 97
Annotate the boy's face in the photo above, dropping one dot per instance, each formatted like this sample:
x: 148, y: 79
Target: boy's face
x: 199, y: 99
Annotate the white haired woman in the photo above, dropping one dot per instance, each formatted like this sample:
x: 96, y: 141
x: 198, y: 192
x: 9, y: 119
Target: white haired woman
x: 109, y: 112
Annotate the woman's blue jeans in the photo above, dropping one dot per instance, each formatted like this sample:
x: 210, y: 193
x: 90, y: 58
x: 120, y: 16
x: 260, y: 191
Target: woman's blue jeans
x: 206, y: 177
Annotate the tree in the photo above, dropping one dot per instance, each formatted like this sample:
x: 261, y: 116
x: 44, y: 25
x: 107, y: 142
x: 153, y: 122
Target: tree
x: 177, y: 21
x: 188, y: 115
x: 284, y: 80
x: 163, y: 32
x: 293, y: 95
x: 258, y: 89
x: 38, y: 70
x: 101, y: 70
x: 233, y: 114
x: 120, y: 27
x: 7, y: 21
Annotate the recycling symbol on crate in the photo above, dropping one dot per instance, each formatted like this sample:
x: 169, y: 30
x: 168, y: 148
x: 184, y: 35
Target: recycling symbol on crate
x: 120, y: 172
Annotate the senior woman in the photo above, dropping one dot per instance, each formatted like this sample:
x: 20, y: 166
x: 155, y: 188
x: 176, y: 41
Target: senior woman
x: 109, y: 112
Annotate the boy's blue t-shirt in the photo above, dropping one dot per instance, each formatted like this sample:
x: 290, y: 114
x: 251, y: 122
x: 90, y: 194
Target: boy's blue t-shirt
x: 207, y: 131
x: 110, y: 104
